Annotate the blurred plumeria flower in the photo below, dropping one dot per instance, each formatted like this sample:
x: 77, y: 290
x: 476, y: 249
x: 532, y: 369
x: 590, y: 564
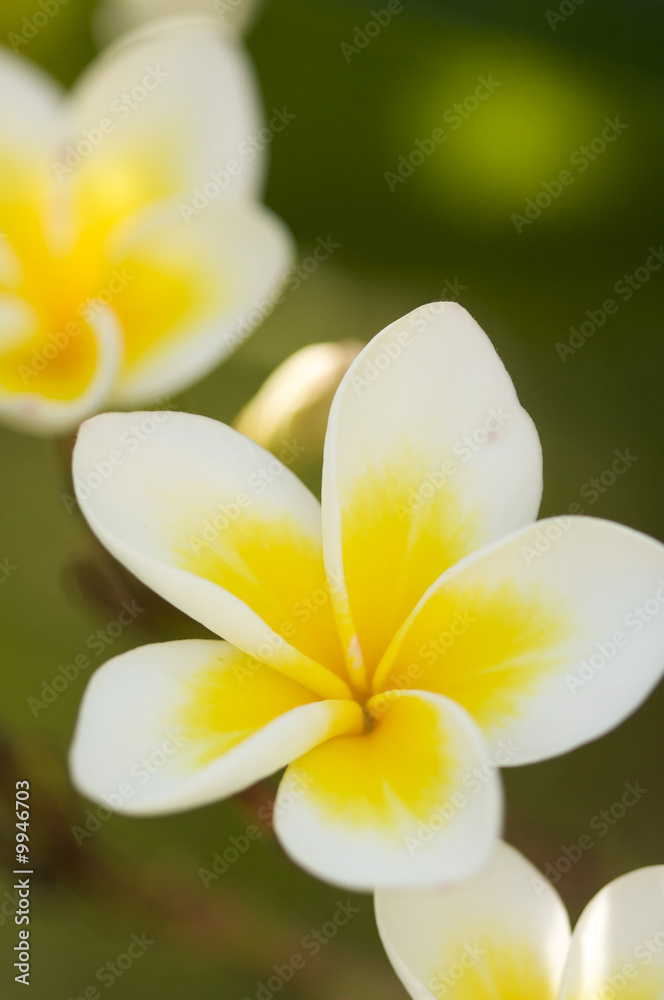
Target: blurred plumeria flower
x: 394, y: 648
x: 113, y: 17
x: 293, y: 404
x: 115, y: 289
x: 505, y: 935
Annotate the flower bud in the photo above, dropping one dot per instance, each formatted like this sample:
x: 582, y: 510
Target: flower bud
x: 294, y: 402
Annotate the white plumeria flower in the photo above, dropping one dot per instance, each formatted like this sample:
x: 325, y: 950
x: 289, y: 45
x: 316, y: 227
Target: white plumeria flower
x: 505, y: 935
x: 133, y: 251
x: 393, y: 648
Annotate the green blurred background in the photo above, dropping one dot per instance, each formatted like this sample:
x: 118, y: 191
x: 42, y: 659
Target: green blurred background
x: 447, y: 229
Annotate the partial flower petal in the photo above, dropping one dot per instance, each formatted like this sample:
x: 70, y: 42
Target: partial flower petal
x: 429, y: 455
x: 157, y: 115
x: 549, y: 638
x: 51, y: 379
x: 503, y: 935
x: 175, y: 725
x: 191, y: 291
x: 30, y: 115
x: 409, y: 802
x: 220, y: 528
x: 30, y: 123
x: 618, y: 944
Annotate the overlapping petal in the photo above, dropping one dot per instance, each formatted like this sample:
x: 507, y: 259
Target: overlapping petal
x: 410, y: 801
x: 550, y: 637
x: 428, y: 456
x: 618, y: 944
x: 190, y: 291
x: 220, y: 528
x: 175, y: 725
x: 503, y: 935
x: 156, y: 116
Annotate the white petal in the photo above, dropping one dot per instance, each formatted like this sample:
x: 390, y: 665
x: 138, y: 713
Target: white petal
x: 428, y: 456
x: 410, y: 802
x: 179, y: 724
x: 220, y: 528
x: 502, y: 935
x: 548, y: 638
x: 30, y: 114
x: 199, y: 287
x: 157, y: 115
x: 618, y: 944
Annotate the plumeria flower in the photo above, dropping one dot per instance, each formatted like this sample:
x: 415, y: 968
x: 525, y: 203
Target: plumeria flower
x: 394, y: 648
x: 133, y: 246
x: 505, y: 935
